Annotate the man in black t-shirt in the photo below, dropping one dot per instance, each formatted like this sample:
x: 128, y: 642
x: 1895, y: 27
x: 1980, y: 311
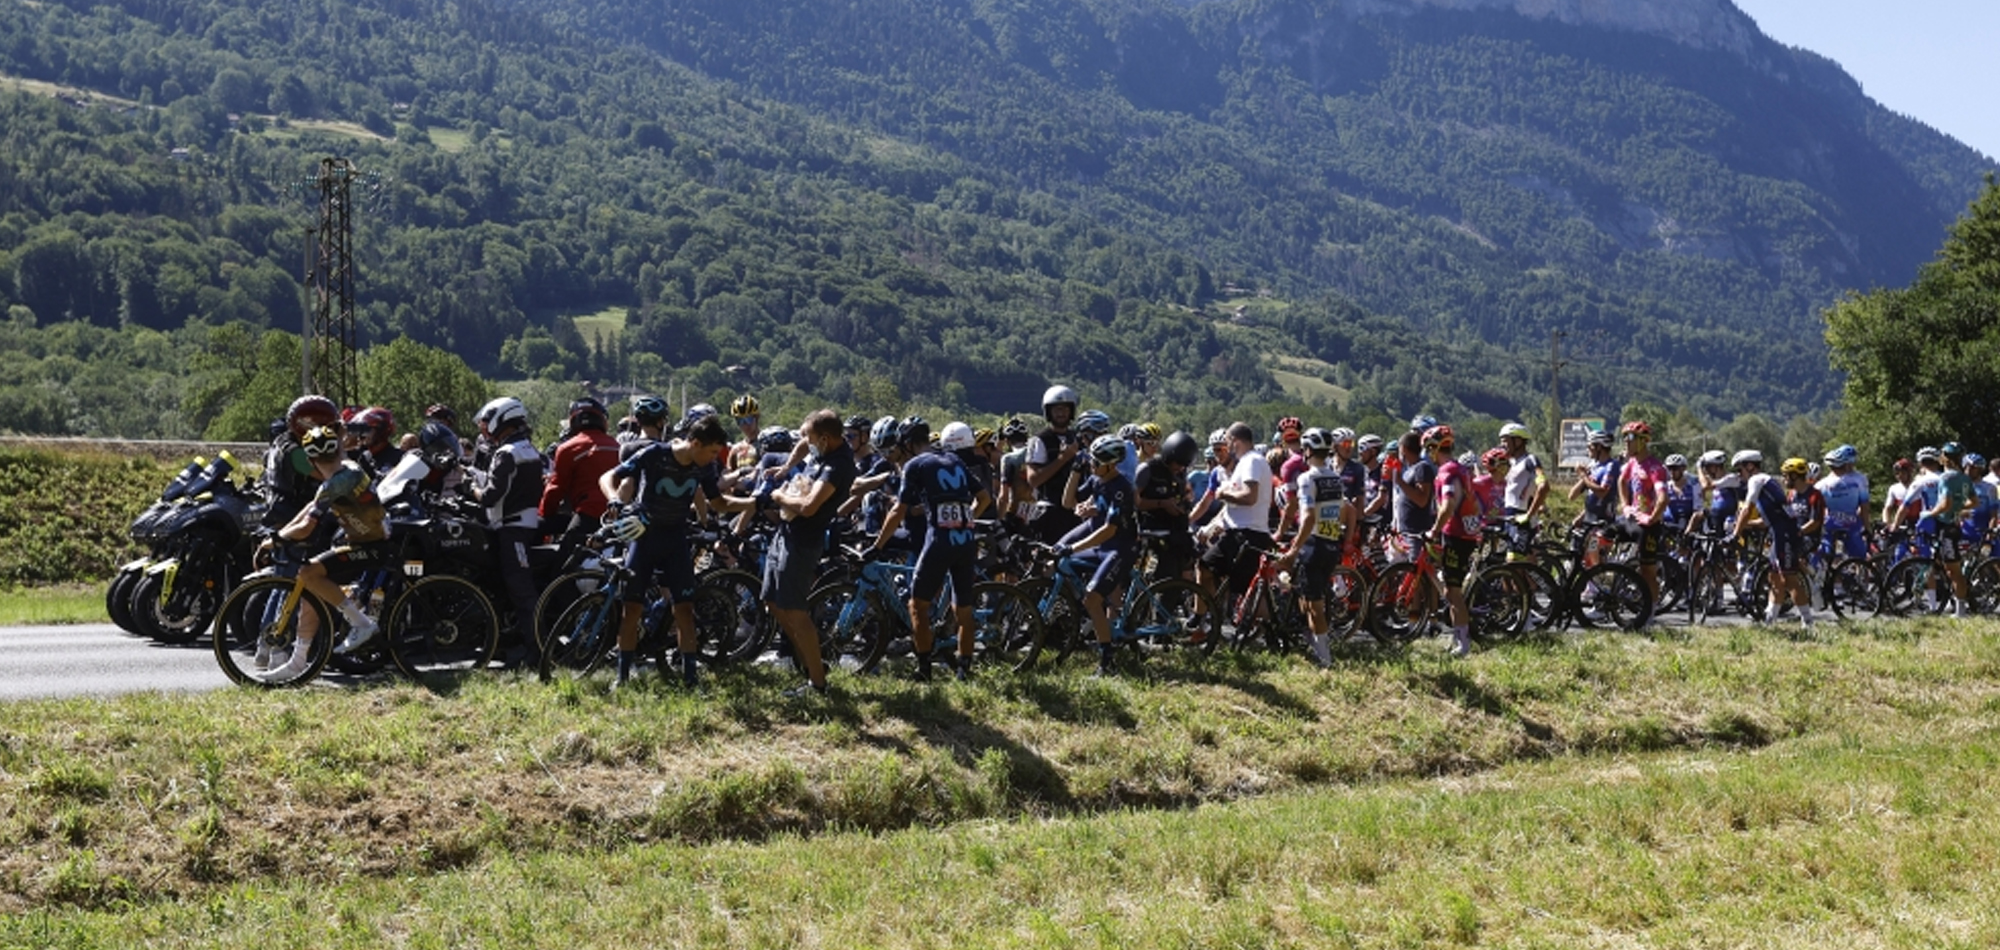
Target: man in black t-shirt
x: 795, y: 553
x: 1163, y: 504
x: 659, y: 484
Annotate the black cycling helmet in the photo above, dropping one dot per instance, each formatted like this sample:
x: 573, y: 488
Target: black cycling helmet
x: 651, y: 410
x: 915, y: 431
x: 588, y: 413
x: 858, y: 423
x: 1180, y: 448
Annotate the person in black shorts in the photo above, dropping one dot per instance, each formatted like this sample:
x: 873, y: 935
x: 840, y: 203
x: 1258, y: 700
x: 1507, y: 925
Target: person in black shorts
x: 654, y: 492
x: 1163, y: 503
x: 1104, y: 543
x: 951, y: 496
x: 793, y: 560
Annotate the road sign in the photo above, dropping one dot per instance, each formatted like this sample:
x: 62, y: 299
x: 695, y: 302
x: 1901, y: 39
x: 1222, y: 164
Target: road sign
x: 1575, y: 448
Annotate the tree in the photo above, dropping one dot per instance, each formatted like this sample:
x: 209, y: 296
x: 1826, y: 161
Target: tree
x: 405, y: 376
x: 1923, y: 362
x: 262, y: 392
x: 1752, y: 431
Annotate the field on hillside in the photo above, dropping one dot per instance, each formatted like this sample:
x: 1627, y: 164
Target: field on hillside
x: 1738, y: 788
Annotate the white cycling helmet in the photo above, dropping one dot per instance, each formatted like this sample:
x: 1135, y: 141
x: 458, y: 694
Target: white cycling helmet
x: 1747, y: 456
x: 500, y: 412
x: 1513, y: 430
x: 956, y: 436
x: 1714, y: 457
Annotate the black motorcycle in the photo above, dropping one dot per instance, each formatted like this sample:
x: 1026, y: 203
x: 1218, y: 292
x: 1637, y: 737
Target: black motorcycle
x: 200, y: 539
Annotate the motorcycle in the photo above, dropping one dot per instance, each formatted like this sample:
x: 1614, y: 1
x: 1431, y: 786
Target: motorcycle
x: 200, y: 539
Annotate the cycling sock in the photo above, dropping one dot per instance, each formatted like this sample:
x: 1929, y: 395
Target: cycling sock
x: 1104, y: 655
x: 624, y: 665
x: 1322, y: 650
x: 688, y: 674
x: 352, y: 611
x: 1805, y: 614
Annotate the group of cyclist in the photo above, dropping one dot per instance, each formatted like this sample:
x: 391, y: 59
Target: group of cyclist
x: 1097, y: 497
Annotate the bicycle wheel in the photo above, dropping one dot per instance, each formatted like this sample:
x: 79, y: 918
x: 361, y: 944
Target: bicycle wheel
x: 854, y: 629
x: 582, y: 638
x: 249, y: 622
x: 1904, y: 587
x: 441, y: 626
x: 118, y: 597
x: 1250, y: 618
x: 1065, y: 628
x: 1852, y: 590
x: 1346, y: 602
x: 729, y: 619
x: 1006, y: 627
x: 556, y: 597
x: 1548, y: 603
x: 1612, y: 596
x: 1983, y: 578
x: 1401, y: 604
x: 1174, y: 612
x: 1497, y: 599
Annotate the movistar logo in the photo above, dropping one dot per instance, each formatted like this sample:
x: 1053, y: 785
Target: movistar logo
x: 952, y: 479
x: 673, y: 488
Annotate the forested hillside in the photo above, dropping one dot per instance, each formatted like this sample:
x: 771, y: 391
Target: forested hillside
x: 1199, y: 206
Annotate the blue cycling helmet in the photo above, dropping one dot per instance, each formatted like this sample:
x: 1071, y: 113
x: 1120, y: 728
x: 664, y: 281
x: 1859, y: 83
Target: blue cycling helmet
x: 1951, y: 450
x: 1092, y: 421
x: 1423, y: 422
x: 885, y: 432
x: 1841, y: 456
x: 651, y: 409
x: 1975, y: 459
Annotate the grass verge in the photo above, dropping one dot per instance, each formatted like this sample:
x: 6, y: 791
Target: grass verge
x: 1734, y: 787
x: 54, y: 603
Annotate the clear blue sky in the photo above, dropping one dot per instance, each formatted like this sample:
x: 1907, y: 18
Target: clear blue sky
x: 1932, y: 60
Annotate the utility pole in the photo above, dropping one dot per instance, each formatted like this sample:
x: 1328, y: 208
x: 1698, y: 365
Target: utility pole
x: 327, y: 358
x: 1556, y: 364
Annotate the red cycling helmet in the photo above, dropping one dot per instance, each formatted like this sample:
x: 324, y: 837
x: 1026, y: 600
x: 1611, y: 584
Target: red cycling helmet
x: 309, y: 411
x: 1636, y: 430
x: 378, y: 422
x: 1495, y: 456
x: 1438, y: 436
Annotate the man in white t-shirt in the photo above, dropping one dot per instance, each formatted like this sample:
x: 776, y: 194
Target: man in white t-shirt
x: 1245, y: 494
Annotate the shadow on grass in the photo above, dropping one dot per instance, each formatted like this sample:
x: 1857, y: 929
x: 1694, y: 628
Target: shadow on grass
x: 1465, y: 692
x: 968, y: 740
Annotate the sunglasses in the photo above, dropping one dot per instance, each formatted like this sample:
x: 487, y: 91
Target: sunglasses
x: 746, y: 420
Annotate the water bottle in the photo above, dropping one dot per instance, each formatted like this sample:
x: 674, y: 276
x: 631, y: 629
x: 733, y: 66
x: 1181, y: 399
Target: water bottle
x: 179, y: 485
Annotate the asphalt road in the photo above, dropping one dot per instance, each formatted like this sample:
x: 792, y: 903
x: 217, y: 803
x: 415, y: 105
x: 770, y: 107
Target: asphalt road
x: 98, y: 660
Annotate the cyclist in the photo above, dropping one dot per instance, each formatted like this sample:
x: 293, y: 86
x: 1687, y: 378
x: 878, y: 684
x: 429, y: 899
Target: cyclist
x: 1845, y: 491
x: 1764, y: 501
x: 1457, y: 524
x: 1898, y: 495
x: 1804, y: 501
x: 1596, y: 481
x: 1954, y: 500
x: 1490, y: 487
x: 940, y: 484
x: 1017, y: 498
x: 749, y: 422
x: 1163, y: 503
x: 1642, y: 500
x: 289, y: 477
x: 1104, y: 540
x: 1415, y: 504
x: 1683, y: 495
x: 1527, y: 488
x: 1150, y: 435
x: 1291, y: 442
x: 1327, y: 520
x: 1244, y: 526
x: 575, y: 469
x: 1724, y: 489
x: 655, y: 491
x: 374, y: 431
x: 1375, y: 503
x: 793, y: 560
x: 345, y: 494
x: 1985, y: 502
x: 1049, y: 460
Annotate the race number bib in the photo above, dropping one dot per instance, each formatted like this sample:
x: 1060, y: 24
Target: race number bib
x: 1328, y: 526
x: 952, y: 514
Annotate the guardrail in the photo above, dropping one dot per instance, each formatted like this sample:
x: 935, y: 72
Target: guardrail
x: 246, y: 452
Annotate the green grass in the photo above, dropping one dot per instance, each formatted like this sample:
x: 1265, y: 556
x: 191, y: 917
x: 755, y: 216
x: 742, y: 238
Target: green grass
x: 1722, y: 789
x: 449, y: 140
x: 601, y: 327
x: 56, y: 603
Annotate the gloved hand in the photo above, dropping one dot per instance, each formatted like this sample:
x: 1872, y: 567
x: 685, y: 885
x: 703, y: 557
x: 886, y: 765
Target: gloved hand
x: 629, y: 527
x: 1060, y: 551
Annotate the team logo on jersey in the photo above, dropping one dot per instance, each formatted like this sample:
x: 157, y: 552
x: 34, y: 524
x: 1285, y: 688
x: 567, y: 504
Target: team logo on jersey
x: 675, y: 488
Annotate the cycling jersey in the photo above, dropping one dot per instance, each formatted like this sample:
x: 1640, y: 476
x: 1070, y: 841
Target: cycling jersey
x: 946, y: 489
x: 1773, y: 506
x: 1353, y: 479
x: 1464, y: 521
x: 1682, y: 498
x: 1725, y: 496
x: 1806, y: 506
x: 836, y: 468
x: 1597, y: 504
x: 1113, y: 502
x: 1645, y: 481
x: 348, y: 494
x: 667, y: 485
x: 1956, y: 487
x: 1522, y: 477
x: 1322, y: 494
x: 1492, y: 495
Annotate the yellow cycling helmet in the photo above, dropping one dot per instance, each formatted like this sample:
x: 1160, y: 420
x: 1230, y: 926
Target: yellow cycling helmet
x: 983, y: 437
x: 1793, y: 467
x: 1152, y: 431
x: 744, y: 407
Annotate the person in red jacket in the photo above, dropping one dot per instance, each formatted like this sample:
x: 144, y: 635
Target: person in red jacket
x: 583, y: 458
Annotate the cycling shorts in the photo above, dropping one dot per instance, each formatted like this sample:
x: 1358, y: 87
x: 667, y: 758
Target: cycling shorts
x: 1455, y: 560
